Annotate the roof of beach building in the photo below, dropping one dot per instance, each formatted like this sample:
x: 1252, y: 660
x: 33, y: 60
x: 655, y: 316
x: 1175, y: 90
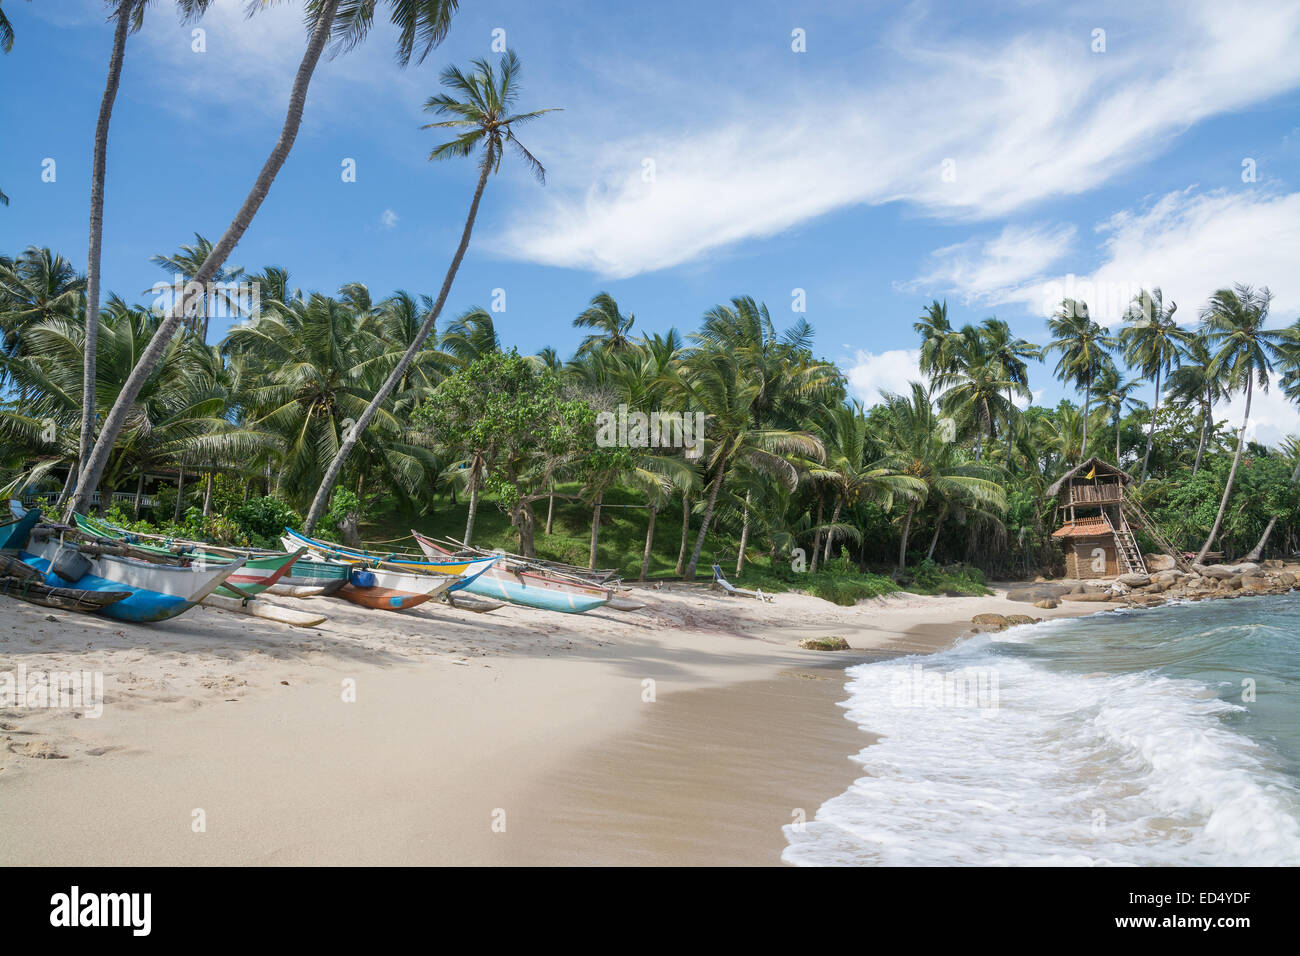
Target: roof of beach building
x: 1083, y: 528
x: 1103, y: 468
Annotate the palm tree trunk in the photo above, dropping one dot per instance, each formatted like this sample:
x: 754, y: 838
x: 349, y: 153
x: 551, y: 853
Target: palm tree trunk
x: 1117, y: 441
x: 97, y: 177
x: 139, y: 490
x: 1257, y: 552
x: 67, y: 485
x: 1087, y: 404
x: 686, y: 533
x: 649, y: 541
x: 902, y: 541
x: 817, y: 537
x: 744, y: 538
x: 1151, y: 431
x: 473, y: 507
x: 718, y: 477
x: 550, y: 509
x: 595, y: 532
x: 1206, y: 412
x: 152, y: 355
x: 180, y: 495
x: 943, y: 513
x: 207, y: 494
x: 1232, y: 475
x: 336, y: 466
x: 830, y: 533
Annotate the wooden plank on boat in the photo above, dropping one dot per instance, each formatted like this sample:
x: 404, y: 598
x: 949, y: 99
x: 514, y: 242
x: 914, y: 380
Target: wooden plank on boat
x: 271, y: 612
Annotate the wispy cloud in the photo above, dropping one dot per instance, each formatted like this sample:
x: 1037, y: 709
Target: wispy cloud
x: 1035, y: 116
x: 995, y: 269
x: 1189, y: 244
x: 388, y: 219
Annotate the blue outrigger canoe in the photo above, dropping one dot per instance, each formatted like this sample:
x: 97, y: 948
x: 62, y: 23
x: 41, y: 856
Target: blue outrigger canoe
x: 15, y: 531
x: 158, y: 591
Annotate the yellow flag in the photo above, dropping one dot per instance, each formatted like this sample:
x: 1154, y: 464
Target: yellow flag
x: 1092, y: 473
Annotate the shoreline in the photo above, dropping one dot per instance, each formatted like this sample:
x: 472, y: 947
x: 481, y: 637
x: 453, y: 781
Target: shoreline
x: 461, y: 723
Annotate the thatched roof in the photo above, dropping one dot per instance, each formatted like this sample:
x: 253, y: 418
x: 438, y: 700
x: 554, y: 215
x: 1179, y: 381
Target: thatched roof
x: 1103, y: 468
x: 1083, y: 528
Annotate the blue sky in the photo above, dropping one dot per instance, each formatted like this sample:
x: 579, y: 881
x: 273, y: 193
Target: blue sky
x: 829, y: 170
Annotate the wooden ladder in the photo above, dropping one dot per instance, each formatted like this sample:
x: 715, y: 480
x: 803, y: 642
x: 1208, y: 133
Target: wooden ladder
x: 1143, y: 521
x: 1126, y: 545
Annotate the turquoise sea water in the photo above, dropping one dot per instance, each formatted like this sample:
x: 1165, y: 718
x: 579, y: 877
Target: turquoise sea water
x: 1168, y: 735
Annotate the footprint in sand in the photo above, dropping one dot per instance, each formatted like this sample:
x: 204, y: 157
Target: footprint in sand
x: 100, y: 751
x: 38, y: 749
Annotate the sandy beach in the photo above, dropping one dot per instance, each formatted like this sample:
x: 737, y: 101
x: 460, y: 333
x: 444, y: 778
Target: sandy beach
x: 685, y: 733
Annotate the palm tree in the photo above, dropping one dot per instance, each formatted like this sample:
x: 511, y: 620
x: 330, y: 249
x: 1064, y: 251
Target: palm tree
x: 1292, y: 449
x: 1116, y: 396
x: 6, y: 44
x: 1244, y: 353
x: 422, y: 25
x: 183, y: 265
x: 1085, y: 351
x: 612, y: 327
x: 484, y: 120
x: 715, y: 383
x: 980, y: 387
x: 913, y: 437
x: 36, y: 287
x: 127, y: 17
x: 471, y: 336
x: 1153, y: 344
x: 1012, y: 354
x: 939, y: 342
x: 854, y: 469
x: 1195, y: 382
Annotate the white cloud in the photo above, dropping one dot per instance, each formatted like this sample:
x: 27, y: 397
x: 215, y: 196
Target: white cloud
x: 1035, y: 117
x: 874, y: 373
x: 249, y: 63
x: 1272, y: 415
x: 996, y: 269
x: 389, y: 219
x: 1189, y: 245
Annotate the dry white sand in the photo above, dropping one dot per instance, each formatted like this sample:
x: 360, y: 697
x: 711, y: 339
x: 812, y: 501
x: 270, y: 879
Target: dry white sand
x: 686, y: 732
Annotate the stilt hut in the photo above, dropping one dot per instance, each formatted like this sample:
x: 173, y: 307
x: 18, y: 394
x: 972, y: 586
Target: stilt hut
x: 1094, y: 531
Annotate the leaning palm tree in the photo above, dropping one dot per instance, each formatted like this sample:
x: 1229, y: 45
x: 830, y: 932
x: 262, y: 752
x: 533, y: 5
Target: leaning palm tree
x: 421, y: 26
x: 127, y: 17
x: 183, y: 265
x: 1085, y: 351
x: 484, y: 120
x: 1153, y: 344
x: 1245, y: 353
x: 1291, y: 448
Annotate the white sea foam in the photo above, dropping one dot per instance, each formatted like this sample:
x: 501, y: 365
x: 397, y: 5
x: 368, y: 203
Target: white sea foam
x: 1069, y: 769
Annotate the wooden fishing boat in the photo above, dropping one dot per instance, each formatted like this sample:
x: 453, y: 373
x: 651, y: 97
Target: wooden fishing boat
x: 19, y: 579
x: 158, y: 591
x: 14, y: 531
x: 392, y: 590
x: 528, y: 588
x: 465, y: 570
x: 313, y: 575
x: 260, y: 571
